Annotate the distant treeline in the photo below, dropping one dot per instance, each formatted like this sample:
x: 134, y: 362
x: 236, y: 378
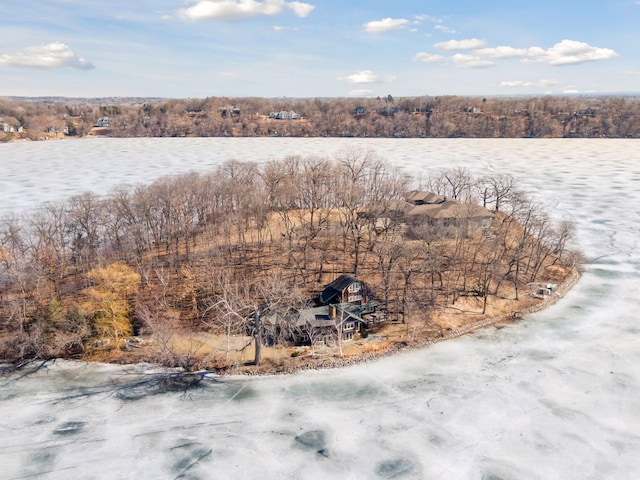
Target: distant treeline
x: 440, y: 117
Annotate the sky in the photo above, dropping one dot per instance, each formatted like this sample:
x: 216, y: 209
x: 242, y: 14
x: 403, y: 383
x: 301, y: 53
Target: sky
x: 319, y: 48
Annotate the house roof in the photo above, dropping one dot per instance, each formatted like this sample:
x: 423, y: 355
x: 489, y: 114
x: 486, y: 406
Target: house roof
x: 319, y: 317
x: 321, y: 321
x: 417, y: 196
x: 450, y: 209
x: 310, y: 316
x: 335, y: 288
x: 283, y: 314
x: 425, y: 209
x: 387, y: 208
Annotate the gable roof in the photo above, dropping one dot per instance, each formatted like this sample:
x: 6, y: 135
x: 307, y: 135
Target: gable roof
x: 451, y: 209
x: 335, y: 288
x: 417, y: 197
x: 319, y: 317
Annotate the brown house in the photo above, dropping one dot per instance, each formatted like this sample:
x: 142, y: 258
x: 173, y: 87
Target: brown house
x: 420, y: 208
x: 344, y: 289
x: 416, y: 197
x: 450, y: 214
x: 341, y: 308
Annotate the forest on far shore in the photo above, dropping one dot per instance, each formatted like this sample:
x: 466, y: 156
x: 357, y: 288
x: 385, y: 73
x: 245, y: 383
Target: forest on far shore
x: 437, y: 117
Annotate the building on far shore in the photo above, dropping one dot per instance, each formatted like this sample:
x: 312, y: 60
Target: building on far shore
x: 284, y: 115
x: 104, y: 122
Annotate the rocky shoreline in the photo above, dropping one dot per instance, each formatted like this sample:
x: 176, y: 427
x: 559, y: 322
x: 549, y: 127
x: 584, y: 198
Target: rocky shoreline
x: 318, y: 363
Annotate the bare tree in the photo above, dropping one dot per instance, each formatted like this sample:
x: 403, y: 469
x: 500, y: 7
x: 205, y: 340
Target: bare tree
x: 227, y: 308
x: 85, y: 221
x: 495, y: 189
x: 243, y: 307
x: 365, y: 191
x: 454, y: 183
x: 408, y: 264
x: 387, y: 253
x: 314, y: 201
x: 281, y: 181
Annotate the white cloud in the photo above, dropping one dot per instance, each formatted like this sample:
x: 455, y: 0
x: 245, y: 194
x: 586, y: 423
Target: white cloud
x: 363, y: 76
x: 545, y: 82
x: 467, y: 44
x: 445, y: 29
x: 428, y: 57
x: 230, y: 9
x: 571, y: 90
x: 501, y: 52
x: 470, y: 61
x: 516, y: 83
x: 566, y: 52
x: 386, y: 25
x: 51, y: 56
x: 421, y: 18
x: 301, y: 9
x: 570, y: 52
x: 234, y: 10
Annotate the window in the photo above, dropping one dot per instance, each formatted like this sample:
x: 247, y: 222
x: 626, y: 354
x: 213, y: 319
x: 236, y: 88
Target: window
x: 353, y: 298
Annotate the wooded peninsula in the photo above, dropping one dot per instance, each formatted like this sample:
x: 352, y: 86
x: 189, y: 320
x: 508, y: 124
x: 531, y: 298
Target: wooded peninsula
x: 295, y: 263
x: 438, y: 117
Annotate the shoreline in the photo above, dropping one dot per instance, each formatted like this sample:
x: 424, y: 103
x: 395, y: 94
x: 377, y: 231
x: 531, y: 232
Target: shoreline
x: 402, y: 346
x: 321, y: 362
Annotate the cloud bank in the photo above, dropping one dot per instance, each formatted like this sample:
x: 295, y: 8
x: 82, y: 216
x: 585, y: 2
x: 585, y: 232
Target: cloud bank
x: 570, y: 52
x: 429, y: 57
x: 386, y: 25
x: 48, y: 57
x: 236, y: 10
x: 566, y: 52
x: 467, y: 44
x: 301, y: 9
x: 545, y: 82
x: 361, y: 77
x: 463, y: 60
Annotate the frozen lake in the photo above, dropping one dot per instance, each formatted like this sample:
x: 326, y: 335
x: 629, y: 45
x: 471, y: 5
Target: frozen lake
x: 555, y: 396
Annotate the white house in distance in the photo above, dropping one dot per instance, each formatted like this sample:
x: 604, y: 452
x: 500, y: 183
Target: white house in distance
x: 8, y: 128
x: 284, y: 115
x: 104, y: 122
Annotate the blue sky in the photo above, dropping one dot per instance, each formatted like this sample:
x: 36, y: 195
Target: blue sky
x: 273, y: 48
